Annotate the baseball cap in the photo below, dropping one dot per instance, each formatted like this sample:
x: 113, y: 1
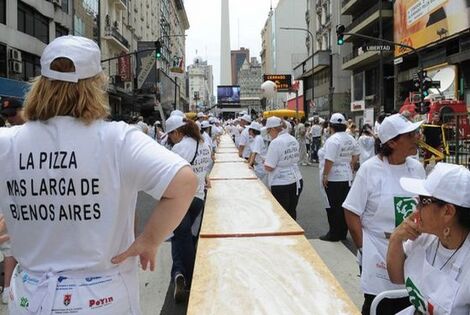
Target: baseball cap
x: 395, y: 125
x: 173, y: 123
x: 338, y: 119
x: 205, y: 124
x: 83, y: 52
x: 9, y: 106
x: 447, y: 182
x: 246, y: 118
x: 255, y: 126
x: 273, y: 122
x: 177, y: 112
x: 200, y: 115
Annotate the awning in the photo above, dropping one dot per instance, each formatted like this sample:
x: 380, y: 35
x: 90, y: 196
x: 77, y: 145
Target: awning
x: 13, y: 88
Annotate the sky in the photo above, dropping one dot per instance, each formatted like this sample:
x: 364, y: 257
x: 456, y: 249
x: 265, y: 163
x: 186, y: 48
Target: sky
x: 247, y: 18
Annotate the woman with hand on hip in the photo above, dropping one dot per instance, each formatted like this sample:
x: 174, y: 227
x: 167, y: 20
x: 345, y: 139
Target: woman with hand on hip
x: 376, y: 204
x: 72, y: 225
x: 430, y: 251
x: 281, y: 164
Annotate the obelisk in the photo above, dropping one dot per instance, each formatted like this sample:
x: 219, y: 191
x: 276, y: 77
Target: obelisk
x: 225, y: 66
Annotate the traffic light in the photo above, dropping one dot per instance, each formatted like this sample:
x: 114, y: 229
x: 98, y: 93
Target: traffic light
x: 158, y: 49
x: 427, y: 84
x: 339, y: 33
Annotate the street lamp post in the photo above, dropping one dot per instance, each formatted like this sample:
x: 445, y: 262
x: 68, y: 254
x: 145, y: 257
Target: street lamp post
x: 311, y: 57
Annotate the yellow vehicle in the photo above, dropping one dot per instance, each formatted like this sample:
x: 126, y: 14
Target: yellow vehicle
x: 281, y: 113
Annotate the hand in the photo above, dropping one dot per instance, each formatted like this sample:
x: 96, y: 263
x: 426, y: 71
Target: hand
x: 208, y: 183
x: 359, y: 257
x: 3, y: 229
x: 325, y: 181
x: 408, y: 229
x: 142, y: 247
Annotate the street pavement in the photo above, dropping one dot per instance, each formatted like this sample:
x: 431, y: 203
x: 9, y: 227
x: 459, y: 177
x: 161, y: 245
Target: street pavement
x: 156, y: 291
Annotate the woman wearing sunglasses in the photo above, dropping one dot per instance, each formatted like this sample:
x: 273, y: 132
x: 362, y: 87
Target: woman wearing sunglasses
x: 430, y: 251
x: 376, y: 204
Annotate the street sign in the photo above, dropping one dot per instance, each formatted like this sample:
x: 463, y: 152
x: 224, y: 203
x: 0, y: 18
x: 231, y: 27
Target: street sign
x: 283, y: 81
x: 378, y: 48
x: 397, y: 61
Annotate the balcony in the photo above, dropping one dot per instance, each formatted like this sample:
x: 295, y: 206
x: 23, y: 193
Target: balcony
x: 358, y: 58
x: 112, y: 34
x: 370, y: 16
x: 321, y: 60
x: 121, y: 4
x: 356, y: 7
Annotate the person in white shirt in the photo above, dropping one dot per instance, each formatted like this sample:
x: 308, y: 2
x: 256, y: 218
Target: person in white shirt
x: 376, y: 204
x: 258, y: 151
x: 189, y: 144
x: 244, y: 142
x: 300, y: 134
x: 281, y: 164
x: 429, y: 251
x: 69, y: 188
x: 341, y: 153
x: 315, y: 134
x: 366, y: 144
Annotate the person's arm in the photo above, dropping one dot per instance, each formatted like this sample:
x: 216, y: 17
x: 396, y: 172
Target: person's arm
x: 354, y: 160
x: 164, y: 219
x: 326, y: 172
x: 355, y: 227
x: 251, y: 160
x: 3, y: 228
x: 407, y: 230
x: 240, y: 150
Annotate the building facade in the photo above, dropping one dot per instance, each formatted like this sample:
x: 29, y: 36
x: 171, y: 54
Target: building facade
x: 250, y: 79
x: 237, y: 59
x: 201, y: 80
x: 26, y: 27
x: 282, y: 49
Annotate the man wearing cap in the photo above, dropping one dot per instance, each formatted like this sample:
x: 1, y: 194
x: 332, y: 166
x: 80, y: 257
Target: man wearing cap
x: 429, y: 252
x: 341, y: 153
x: 376, y: 204
x: 258, y: 151
x: 11, y: 111
x: 281, y: 164
x: 72, y: 225
x: 244, y: 143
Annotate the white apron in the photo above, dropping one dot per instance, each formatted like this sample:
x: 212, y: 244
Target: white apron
x: 75, y: 292
x: 432, y: 291
x: 395, y: 204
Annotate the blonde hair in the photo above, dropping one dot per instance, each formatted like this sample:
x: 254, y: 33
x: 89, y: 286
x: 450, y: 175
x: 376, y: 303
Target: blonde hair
x: 85, y: 100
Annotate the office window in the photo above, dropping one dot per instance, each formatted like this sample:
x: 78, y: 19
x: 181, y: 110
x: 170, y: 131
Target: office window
x: 60, y: 31
x: 3, y: 9
x: 65, y: 6
x: 31, y: 66
x: 33, y: 23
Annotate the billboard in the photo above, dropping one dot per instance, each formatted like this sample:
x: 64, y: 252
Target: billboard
x: 228, y: 94
x: 418, y: 23
x: 283, y: 81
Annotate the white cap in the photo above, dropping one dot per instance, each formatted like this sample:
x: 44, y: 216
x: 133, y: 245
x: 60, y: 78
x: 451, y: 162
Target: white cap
x: 177, y: 112
x: 395, y: 125
x: 200, y: 115
x: 242, y: 113
x: 212, y: 120
x: 246, y: 118
x: 273, y: 122
x: 255, y: 126
x: 338, y: 119
x: 83, y: 52
x: 173, y: 123
x: 205, y: 124
x: 447, y: 182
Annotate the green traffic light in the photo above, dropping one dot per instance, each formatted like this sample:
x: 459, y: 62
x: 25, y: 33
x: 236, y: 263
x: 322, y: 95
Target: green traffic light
x: 340, y: 41
x: 158, y: 55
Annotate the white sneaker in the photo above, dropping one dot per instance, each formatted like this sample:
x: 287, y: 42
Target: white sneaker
x: 5, y: 295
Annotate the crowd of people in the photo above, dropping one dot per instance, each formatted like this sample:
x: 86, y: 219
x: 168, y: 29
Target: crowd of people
x: 67, y: 208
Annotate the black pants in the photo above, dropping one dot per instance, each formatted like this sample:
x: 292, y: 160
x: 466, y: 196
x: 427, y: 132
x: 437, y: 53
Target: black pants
x: 386, y: 306
x: 287, y: 196
x: 337, y: 192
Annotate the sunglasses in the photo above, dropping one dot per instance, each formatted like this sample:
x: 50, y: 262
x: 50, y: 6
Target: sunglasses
x: 426, y: 200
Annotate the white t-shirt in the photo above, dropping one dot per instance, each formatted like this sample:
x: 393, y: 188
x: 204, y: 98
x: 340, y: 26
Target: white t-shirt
x: 339, y: 149
x: 461, y: 304
x: 365, y: 193
x: 283, y: 156
x: 207, y: 140
x: 68, y: 191
x: 366, y: 148
x: 315, y: 131
x: 186, y: 148
x: 257, y: 146
x: 237, y: 130
x: 245, y: 141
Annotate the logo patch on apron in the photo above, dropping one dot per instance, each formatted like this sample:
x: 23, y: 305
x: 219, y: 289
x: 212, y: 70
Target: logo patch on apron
x: 417, y: 299
x: 404, y: 206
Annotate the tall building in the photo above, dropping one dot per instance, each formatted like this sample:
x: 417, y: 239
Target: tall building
x: 282, y: 49
x: 238, y: 58
x: 326, y: 85
x: 225, y: 69
x: 201, y: 82
x: 26, y: 27
x: 372, y: 71
x: 250, y: 79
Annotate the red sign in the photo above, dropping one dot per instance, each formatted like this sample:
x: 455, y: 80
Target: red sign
x: 124, y: 68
